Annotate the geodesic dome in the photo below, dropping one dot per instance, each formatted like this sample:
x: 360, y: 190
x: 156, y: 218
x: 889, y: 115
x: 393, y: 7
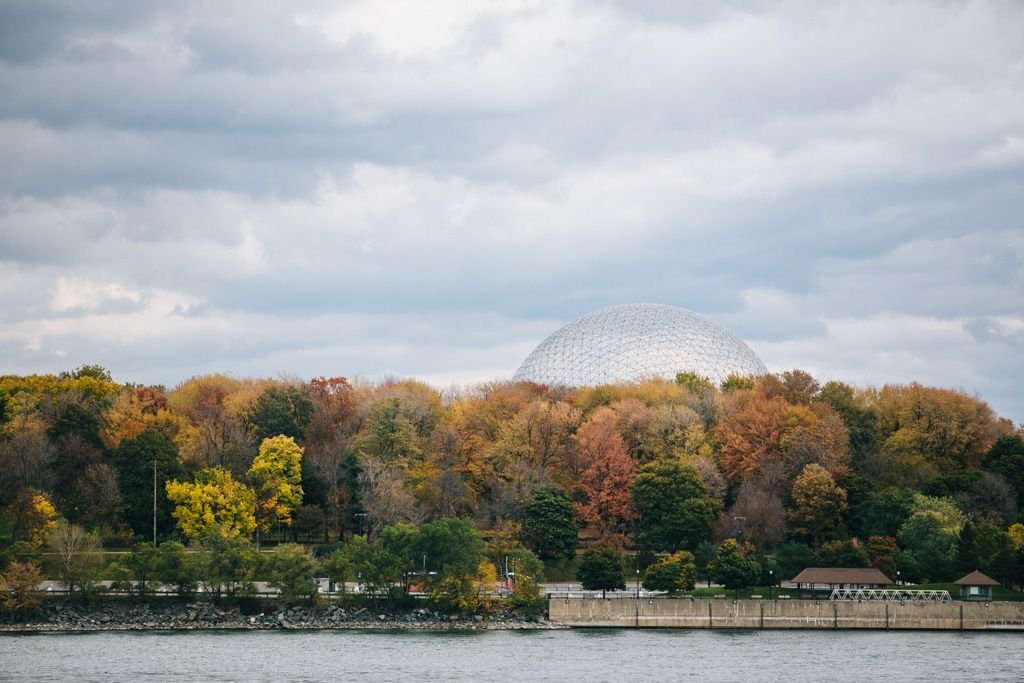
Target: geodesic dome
x: 638, y: 341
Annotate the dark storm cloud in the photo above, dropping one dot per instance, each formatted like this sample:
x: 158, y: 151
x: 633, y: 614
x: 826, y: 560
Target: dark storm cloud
x: 250, y: 187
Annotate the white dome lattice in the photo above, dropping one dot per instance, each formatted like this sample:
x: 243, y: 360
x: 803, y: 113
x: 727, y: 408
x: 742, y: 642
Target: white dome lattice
x: 633, y: 342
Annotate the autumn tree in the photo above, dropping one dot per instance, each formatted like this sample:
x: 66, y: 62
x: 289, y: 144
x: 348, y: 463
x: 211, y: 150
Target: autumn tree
x: 928, y: 431
x: 19, y: 588
x: 813, y: 434
x: 735, y: 566
x: 818, y: 503
x: 672, y: 573
x: 418, y: 403
x: 440, y: 480
x: 763, y: 513
x: 329, y: 457
x: 799, y: 387
x: 596, y: 438
x: 276, y: 475
x: 541, y: 435
x: 674, y: 509
x: 26, y: 454
x: 219, y: 434
x: 31, y: 517
x: 387, y: 496
x: 134, y: 411
x: 636, y: 421
x: 749, y: 432
x: 604, y: 502
x: 214, y: 504
x: 42, y: 518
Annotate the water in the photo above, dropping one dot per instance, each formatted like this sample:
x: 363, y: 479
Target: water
x: 591, y: 655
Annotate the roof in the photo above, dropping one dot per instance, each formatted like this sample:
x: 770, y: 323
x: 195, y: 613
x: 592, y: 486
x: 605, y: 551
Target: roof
x: 868, y: 576
x: 976, y: 578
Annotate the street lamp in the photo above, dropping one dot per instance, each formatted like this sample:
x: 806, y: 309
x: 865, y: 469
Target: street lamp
x: 638, y: 584
x: 771, y: 582
x: 360, y: 516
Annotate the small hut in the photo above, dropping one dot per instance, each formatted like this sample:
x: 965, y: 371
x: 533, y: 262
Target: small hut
x: 976, y: 586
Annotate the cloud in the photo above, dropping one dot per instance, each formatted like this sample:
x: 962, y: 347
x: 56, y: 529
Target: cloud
x: 429, y: 190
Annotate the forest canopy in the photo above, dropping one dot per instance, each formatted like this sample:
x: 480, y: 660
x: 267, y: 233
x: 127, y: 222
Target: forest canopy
x: 888, y: 476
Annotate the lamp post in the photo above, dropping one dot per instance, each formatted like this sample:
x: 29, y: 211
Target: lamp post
x: 897, y: 578
x: 154, y: 502
x: 360, y: 516
x: 771, y: 582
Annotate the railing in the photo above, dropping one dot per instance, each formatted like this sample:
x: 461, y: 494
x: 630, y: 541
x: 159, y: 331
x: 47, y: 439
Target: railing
x: 610, y: 595
x: 895, y: 595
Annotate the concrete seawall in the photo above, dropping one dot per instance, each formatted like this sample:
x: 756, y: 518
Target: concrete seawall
x: 806, y: 614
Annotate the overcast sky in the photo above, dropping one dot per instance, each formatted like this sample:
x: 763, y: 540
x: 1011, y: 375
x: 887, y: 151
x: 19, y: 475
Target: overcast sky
x: 428, y: 189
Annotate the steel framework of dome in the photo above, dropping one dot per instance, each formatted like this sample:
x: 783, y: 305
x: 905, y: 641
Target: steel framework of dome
x: 633, y: 342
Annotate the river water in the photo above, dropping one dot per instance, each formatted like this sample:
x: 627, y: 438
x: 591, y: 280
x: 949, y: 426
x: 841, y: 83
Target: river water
x: 503, y: 656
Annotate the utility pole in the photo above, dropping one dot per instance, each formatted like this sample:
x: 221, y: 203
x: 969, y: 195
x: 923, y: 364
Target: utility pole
x: 154, y: 502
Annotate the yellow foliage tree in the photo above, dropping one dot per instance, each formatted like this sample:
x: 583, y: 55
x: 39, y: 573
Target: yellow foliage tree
x: 136, y: 410
x: 1016, y: 534
x: 276, y: 473
x: 213, y: 503
x: 43, y: 520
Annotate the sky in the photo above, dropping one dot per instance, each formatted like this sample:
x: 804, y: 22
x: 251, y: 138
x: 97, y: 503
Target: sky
x: 428, y: 189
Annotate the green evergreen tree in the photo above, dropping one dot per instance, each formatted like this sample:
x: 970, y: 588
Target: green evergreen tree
x: 674, y: 507
x: 735, y: 566
x: 601, y: 570
x: 133, y: 460
x: 549, y: 525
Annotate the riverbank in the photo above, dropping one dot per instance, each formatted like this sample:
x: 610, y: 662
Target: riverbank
x: 68, y: 616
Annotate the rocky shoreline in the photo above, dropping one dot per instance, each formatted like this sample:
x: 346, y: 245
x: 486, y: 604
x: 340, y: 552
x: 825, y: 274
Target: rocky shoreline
x: 206, y: 616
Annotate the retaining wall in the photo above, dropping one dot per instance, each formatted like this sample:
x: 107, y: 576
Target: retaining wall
x: 807, y: 614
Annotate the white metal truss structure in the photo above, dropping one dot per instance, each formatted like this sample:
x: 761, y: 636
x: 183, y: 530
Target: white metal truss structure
x: 636, y: 342
x: 894, y: 595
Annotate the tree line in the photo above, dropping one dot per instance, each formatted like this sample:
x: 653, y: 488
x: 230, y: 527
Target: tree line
x: 778, y: 471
